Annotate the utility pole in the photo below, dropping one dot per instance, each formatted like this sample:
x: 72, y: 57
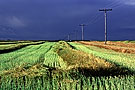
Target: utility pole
x: 68, y: 37
x: 82, y: 26
x: 105, y: 12
x: 76, y: 34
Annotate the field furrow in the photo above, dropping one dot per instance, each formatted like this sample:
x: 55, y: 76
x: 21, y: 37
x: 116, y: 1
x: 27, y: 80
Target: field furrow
x: 125, y: 60
x: 66, y: 66
x: 115, y: 46
x: 28, y: 55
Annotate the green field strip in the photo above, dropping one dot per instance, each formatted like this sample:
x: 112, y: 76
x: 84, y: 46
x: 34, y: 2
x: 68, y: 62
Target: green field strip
x: 125, y: 60
x: 65, y: 82
x: 23, y: 56
x: 18, y: 53
x: 17, y: 47
x: 6, y: 46
x: 7, y: 42
x: 42, y: 56
x: 52, y: 59
x: 127, y: 41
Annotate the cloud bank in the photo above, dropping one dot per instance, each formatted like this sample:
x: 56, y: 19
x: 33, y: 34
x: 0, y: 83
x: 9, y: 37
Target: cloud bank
x: 15, y: 22
x: 129, y: 2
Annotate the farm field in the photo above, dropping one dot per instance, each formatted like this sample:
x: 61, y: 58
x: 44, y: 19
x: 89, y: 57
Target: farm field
x: 6, y: 46
x: 79, y: 65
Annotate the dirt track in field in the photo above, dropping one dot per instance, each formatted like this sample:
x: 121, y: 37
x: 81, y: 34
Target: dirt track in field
x: 115, y: 46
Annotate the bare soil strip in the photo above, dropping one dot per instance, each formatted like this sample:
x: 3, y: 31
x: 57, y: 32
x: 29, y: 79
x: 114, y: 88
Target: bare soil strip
x: 115, y: 46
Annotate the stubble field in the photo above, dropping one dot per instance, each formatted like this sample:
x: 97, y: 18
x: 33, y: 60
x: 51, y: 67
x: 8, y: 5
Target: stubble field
x: 78, y: 65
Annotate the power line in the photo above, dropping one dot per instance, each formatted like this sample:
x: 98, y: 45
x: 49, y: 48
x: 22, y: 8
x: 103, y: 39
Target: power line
x: 115, y: 2
x: 116, y: 6
x: 96, y: 17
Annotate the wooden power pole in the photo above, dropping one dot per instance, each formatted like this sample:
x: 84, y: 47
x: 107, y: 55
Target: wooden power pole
x: 105, y: 12
x: 68, y: 37
x: 75, y: 31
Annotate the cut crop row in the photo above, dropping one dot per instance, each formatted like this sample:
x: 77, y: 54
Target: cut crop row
x: 124, y: 60
x: 28, y: 55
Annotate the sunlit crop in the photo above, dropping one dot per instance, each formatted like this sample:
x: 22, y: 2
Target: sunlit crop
x: 66, y: 66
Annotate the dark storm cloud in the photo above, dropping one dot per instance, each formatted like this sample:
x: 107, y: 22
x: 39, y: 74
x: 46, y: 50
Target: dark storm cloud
x: 53, y: 19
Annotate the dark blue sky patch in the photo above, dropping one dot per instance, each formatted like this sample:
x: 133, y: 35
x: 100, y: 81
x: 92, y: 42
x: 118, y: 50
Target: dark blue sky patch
x: 55, y: 19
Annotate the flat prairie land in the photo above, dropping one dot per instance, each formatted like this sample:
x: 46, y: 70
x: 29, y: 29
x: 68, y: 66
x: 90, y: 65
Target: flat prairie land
x: 116, y: 46
x: 79, y: 65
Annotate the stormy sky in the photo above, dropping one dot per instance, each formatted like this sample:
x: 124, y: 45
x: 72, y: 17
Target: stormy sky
x: 55, y: 19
